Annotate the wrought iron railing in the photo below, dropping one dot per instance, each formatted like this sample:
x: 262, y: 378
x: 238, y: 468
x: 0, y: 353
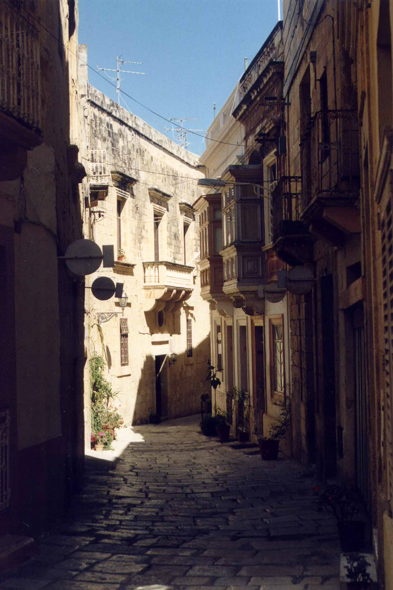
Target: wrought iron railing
x: 286, y: 203
x: 330, y: 155
x: 20, y: 93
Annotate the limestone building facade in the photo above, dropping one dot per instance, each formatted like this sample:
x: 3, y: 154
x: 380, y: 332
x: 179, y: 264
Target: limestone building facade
x: 250, y: 333
x: 333, y: 217
x: 138, y: 197
x: 41, y: 304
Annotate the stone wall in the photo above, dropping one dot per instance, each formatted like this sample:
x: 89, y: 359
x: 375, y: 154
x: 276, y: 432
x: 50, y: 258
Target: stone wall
x: 157, y: 166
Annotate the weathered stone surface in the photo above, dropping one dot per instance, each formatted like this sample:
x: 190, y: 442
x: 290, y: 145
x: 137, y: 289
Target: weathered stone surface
x: 175, y: 456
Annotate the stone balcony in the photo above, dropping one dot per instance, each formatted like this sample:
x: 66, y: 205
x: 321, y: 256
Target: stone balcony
x: 167, y: 285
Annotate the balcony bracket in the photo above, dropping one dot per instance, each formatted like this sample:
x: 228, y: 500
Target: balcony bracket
x: 224, y: 306
x: 253, y: 305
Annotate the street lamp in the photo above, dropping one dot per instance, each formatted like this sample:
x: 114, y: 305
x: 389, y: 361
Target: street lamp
x: 218, y: 183
x: 123, y: 301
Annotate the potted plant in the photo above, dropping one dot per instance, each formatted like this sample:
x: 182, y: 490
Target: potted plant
x: 209, y: 425
x: 242, y: 398
x: 223, y: 426
x: 100, y: 438
x: 269, y: 445
x: 212, y: 376
x: 357, y: 573
x: 206, y: 404
x: 121, y: 255
x: 344, y: 504
x: 92, y: 441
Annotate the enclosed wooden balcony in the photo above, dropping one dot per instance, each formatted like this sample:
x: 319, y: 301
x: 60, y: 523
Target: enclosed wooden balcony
x: 331, y: 177
x: 20, y: 91
x: 167, y: 285
x: 209, y: 212
x: 244, y: 262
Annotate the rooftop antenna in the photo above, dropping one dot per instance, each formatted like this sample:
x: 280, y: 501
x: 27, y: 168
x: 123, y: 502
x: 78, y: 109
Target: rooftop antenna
x: 119, y: 70
x: 181, y: 131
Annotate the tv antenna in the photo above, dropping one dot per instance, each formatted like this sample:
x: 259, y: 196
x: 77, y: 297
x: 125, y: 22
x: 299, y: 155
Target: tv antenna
x: 181, y: 131
x: 119, y: 70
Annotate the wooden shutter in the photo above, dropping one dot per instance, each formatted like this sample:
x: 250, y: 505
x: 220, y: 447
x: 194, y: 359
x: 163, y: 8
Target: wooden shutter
x: 189, y: 337
x: 124, y: 341
x: 387, y: 292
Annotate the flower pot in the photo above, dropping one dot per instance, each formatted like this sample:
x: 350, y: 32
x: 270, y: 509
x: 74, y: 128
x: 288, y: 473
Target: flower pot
x: 242, y: 436
x: 223, y: 431
x: 99, y: 447
x: 352, y: 535
x: 269, y: 449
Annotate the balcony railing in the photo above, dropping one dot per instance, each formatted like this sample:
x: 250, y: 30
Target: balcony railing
x: 167, y: 274
x: 20, y: 93
x: 330, y: 156
x: 286, y: 203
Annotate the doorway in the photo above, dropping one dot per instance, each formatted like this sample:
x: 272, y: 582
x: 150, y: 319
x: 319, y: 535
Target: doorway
x: 329, y: 376
x: 162, y: 386
x: 361, y: 409
x: 259, y: 401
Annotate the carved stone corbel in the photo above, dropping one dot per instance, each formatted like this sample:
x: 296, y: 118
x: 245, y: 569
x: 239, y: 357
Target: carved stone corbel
x: 254, y: 305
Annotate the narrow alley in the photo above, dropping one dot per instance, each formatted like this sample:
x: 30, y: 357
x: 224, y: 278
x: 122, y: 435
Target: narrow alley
x: 180, y: 510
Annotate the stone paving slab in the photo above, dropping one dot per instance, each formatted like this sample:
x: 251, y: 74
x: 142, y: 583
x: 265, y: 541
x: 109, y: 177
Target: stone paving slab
x: 178, y: 511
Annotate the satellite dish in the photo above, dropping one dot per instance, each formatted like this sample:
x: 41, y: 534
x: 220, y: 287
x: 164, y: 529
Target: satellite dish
x: 83, y: 257
x: 300, y: 280
x: 103, y: 288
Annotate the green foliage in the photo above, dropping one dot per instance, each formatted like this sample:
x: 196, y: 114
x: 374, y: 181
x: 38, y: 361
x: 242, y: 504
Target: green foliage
x: 221, y: 417
x: 279, y: 429
x: 242, y: 399
x: 212, y: 376
x: 357, y: 569
x: 341, y: 502
x: 102, y: 416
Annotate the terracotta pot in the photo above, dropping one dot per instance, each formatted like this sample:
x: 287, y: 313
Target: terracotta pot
x: 99, y: 447
x: 269, y: 449
x: 223, y: 431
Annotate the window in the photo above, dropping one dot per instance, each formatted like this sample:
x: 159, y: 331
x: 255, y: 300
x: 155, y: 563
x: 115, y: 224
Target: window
x: 243, y: 355
x: 185, y: 230
x: 189, y: 337
x: 123, y: 342
x: 323, y: 88
x: 157, y: 221
x: 229, y: 216
x: 277, y: 356
x: 120, y: 205
x: 270, y: 175
x: 218, y: 348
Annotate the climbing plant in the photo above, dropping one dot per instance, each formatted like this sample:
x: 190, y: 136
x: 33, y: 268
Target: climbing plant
x: 103, y: 417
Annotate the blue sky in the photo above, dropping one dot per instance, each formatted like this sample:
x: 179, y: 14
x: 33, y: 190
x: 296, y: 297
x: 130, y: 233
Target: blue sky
x: 192, y: 52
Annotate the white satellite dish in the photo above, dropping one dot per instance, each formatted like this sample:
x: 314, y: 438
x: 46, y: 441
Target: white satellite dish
x: 103, y: 288
x: 83, y: 257
x: 300, y: 280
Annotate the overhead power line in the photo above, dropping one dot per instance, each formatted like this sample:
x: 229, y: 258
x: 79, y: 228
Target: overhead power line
x: 113, y: 85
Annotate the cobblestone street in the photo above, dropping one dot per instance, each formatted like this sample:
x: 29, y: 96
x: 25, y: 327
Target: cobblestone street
x: 179, y: 510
